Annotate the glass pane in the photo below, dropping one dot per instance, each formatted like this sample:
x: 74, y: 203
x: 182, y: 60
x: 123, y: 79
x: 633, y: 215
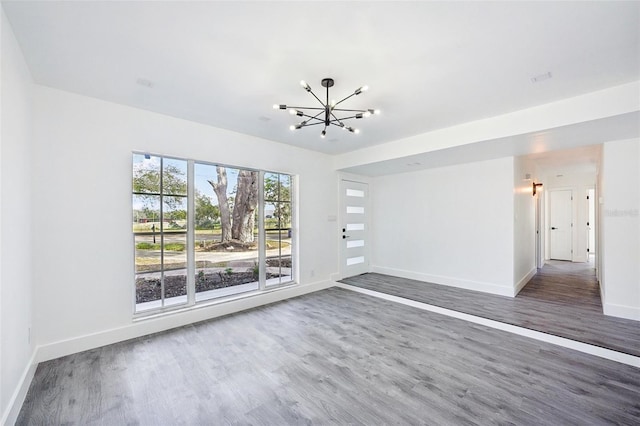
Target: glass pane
x: 284, y: 215
x: 174, y: 177
x: 355, y: 210
x: 174, y: 214
x: 226, y: 242
x: 148, y: 269
x: 146, y: 213
x: 148, y: 265
x: 271, y: 220
x: 278, y: 262
x: 277, y: 187
x: 271, y: 187
x: 355, y: 193
x: 175, y: 268
x: 285, y: 188
x: 146, y: 173
x: 355, y: 260
x: 355, y: 243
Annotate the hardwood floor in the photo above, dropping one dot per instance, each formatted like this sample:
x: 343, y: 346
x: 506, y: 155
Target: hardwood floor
x: 563, y: 299
x: 333, y: 357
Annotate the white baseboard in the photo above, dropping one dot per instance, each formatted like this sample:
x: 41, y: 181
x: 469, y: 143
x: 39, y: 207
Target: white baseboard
x: 622, y: 311
x: 450, y: 281
x: 520, y: 284
x: 153, y: 324
x: 12, y: 411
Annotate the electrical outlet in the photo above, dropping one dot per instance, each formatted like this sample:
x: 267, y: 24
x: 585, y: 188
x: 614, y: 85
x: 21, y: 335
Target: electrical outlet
x: 312, y: 273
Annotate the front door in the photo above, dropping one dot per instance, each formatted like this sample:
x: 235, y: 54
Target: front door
x: 561, y: 226
x: 354, y: 253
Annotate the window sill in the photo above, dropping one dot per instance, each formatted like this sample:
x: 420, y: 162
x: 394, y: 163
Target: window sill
x: 172, y: 310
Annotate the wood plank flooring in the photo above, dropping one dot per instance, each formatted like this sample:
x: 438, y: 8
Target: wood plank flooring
x: 563, y: 299
x: 333, y: 357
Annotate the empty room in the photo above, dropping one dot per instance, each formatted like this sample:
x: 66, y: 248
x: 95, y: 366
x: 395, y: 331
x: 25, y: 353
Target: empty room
x: 303, y: 212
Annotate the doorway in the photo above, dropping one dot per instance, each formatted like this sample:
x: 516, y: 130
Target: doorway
x: 354, y: 241
x: 561, y: 224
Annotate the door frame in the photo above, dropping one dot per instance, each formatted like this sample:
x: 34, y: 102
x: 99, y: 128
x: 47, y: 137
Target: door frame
x: 539, y: 227
x: 341, y: 219
x: 573, y: 220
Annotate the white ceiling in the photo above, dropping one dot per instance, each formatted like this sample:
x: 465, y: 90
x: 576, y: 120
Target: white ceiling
x: 429, y: 65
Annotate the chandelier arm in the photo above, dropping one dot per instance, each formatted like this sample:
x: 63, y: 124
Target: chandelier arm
x: 350, y: 110
x: 336, y: 120
x: 339, y: 120
x: 314, y: 95
x: 314, y: 117
x: 299, y: 107
x: 313, y: 124
x: 344, y: 118
x: 339, y: 102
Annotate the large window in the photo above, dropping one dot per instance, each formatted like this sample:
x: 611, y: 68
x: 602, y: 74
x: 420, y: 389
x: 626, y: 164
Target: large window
x: 204, y: 231
x: 277, y: 214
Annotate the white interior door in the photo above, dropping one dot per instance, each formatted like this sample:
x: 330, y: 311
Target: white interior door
x: 560, y: 224
x: 354, y: 253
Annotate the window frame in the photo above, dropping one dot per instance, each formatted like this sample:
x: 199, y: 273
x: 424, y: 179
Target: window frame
x: 190, y: 237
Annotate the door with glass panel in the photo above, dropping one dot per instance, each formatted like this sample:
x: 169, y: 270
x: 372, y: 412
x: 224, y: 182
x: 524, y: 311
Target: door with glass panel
x: 354, y: 258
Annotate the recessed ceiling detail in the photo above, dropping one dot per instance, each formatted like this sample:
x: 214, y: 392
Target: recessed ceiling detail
x: 144, y: 82
x: 328, y: 114
x: 541, y: 77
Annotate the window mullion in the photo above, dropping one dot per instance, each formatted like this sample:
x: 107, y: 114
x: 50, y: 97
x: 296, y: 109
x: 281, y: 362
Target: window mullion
x: 161, y: 234
x: 191, y: 265
x: 262, y: 238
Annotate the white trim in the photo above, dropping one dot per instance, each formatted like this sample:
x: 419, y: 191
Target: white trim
x: 12, y: 411
x: 520, y: 284
x: 622, y: 311
x: 153, y: 324
x: 598, y: 351
x: 449, y: 281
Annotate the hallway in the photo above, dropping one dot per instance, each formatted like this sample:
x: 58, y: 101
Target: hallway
x: 566, y: 283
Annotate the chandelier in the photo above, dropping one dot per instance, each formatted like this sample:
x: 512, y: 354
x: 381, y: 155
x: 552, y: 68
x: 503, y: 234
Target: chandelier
x: 328, y: 114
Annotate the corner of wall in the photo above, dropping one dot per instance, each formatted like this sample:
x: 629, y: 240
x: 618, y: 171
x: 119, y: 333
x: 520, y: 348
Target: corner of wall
x: 519, y: 285
x: 16, y: 306
x: 10, y: 415
x: 622, y: 311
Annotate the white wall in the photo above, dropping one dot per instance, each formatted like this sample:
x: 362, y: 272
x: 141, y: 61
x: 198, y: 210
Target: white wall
x: 83, y: 256
x: 524, y: 226
x: 15, y: 230
x: 450, y: 225
x: 620, y: 219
